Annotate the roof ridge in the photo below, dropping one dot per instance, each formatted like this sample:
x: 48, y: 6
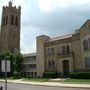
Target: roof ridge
x: 61, y: 37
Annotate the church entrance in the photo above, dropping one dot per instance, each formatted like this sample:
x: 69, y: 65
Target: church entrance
x: 65, y: 65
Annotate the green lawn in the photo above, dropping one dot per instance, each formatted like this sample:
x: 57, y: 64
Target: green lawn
x: 77, y: 81
x: 13, y: 78
x: 28, y: 79
x: 36, y: 79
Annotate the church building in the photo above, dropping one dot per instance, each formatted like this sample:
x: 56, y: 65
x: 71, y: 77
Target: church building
x: 10, y: 29
x: 62, y: 54
x: 65, y: 54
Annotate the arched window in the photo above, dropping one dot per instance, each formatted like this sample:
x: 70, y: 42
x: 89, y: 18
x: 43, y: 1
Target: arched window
x: 63, y: 49
x: 85, y: 44
x: 89, y: 42
x: 16, y: 21
x: 3, y: 20
x: 53, y: 63
x: 12, y: 19
x: 67, y: 48
x: 87, y: 62
x: 89, y: 27
x: 49, y: 63
x: 6, y: 19
x: 50, y: 51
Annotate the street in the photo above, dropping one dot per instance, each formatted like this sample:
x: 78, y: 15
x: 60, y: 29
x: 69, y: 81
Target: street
x: 12, y: 86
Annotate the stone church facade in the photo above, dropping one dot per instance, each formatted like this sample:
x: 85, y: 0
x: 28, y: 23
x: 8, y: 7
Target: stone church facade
x: 65, y: 54
x: 10, y: 29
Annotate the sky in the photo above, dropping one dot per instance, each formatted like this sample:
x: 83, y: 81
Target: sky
x: 48, y: 17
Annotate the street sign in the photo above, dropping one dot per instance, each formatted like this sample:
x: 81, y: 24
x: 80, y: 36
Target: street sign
x: 3, y: 66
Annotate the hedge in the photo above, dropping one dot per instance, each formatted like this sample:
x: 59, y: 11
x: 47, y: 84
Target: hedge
x: 80, y: 75
x: 50, y: 74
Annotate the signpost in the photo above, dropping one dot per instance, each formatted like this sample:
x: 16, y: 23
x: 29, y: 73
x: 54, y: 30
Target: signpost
x: 5, y: 68
x: 5, y: 74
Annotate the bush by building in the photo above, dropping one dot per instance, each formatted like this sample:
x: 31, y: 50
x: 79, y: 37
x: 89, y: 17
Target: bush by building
x: 50, y: 74
x: 80, y: 75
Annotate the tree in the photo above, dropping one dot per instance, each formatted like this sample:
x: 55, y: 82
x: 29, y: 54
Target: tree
x: 15, y: 59
x: 18, y: 62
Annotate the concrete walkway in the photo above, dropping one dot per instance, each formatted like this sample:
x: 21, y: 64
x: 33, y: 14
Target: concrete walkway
x: 53, y: 84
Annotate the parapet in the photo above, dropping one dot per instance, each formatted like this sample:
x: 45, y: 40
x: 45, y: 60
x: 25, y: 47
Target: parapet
x: 10, y: 6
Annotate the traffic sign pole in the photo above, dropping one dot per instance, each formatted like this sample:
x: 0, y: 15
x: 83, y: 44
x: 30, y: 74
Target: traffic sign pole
x: 5, y: 74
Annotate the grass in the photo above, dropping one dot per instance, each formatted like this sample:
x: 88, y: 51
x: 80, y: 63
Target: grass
x: 77, y: 81
x: 13, y: 78
x: 67, y: 81
x: 36, y: 79
x: 28, y: 79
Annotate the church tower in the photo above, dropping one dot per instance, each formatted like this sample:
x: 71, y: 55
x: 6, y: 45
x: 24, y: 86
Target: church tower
x: 10, y: 28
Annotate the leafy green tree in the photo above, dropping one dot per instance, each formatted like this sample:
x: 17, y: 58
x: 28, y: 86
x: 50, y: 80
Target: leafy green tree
x: 16, y: 61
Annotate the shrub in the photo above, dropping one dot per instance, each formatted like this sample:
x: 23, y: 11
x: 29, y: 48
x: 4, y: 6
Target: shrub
x: 80, y: 75
x: 16, y: 75
x: 50, y: 74
x: 29, y: 77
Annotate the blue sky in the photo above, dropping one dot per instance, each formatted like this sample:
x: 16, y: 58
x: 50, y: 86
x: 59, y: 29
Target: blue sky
x: 48, y: 17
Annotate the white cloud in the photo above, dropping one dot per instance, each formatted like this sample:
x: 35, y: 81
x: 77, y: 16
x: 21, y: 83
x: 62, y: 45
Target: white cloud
x: 50, y: 5
x: 50, y: 17
x: 45, y: 5
x: 28, y: 38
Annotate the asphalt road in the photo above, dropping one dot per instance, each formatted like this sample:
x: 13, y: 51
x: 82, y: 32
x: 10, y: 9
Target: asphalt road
x: 12, y: 86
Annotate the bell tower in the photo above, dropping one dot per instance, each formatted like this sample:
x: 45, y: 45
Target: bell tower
x: 10, y: 28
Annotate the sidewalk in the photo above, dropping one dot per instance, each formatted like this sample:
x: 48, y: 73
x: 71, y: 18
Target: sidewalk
x: 53, y: 84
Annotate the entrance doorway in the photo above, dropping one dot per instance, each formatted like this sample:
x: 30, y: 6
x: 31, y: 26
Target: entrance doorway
x: 65, y: 64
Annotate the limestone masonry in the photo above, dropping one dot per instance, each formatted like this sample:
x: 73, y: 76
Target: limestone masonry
x: 62, y: 54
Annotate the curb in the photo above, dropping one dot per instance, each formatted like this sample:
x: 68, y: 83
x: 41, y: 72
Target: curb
x: 62, y: 85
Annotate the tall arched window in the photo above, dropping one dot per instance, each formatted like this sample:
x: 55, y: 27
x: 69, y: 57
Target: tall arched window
x: 53, y: 63
x: 89, y: 27
x: 3, y: 20
x: 89, y: 42
x: 52, y: 51
x: 87, y: 62
x: 85, y: 44
x: 16, y: 21
x: 49, y: 51
x: 49, y: 63
x: 63, y: 49
x: 67, y: 48
x: 12, y: 19
x: 6, y: 19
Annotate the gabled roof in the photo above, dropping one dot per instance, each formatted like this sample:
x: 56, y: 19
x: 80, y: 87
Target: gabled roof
x: 61, y: 37
x: 68, y: 35
x: 85, y: 23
